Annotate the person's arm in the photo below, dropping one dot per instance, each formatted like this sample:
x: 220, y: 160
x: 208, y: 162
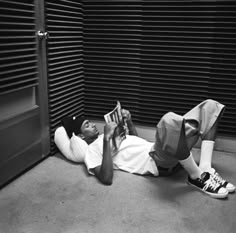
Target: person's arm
x: 104, y: 172
x: 131, y: 127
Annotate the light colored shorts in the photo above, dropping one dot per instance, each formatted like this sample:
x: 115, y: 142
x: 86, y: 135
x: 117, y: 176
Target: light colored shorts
x: 171, y: 134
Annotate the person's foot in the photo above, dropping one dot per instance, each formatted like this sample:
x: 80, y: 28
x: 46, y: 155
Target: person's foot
x: 209, y: 185
x: 230, y: 187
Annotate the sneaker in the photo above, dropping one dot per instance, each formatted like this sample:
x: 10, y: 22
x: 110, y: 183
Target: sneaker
x: 209, y: 186
x: 230, y: 187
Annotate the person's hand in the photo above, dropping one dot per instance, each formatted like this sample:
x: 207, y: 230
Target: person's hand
x: 126, y: 114
x: 109, y: 130
x: 129, y: 125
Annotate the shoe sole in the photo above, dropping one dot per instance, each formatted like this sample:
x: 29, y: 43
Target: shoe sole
x: 214, y: 195
x: 231, y: 190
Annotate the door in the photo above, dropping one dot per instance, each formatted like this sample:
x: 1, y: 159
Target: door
x: 24, y: 120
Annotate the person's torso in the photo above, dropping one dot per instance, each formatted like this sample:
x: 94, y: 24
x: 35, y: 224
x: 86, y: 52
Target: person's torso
x: 132, y: 155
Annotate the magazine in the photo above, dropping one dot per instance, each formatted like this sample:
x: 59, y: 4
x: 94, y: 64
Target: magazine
x: 121, y: 129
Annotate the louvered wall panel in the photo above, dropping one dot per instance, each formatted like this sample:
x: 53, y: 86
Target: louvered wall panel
x: 222, y: 84
x: 18, y: 59
x: 64, y: 21
x: 159, y: 56
x: 112, y: 39
x: 188, y: 55
x: 175, y: 56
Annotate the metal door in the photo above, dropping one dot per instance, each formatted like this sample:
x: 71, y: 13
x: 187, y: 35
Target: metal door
x: 24, y: 120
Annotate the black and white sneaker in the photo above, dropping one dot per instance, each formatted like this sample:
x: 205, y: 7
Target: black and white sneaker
x: 230, y: 187
x: 209, y: 185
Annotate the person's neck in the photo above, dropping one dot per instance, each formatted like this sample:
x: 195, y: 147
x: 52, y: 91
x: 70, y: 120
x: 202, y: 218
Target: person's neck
x: 90, y: 140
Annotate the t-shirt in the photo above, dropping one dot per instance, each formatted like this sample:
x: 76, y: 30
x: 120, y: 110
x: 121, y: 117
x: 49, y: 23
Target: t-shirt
x: 132, y: 156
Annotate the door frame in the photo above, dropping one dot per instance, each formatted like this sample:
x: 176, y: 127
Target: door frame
x: 43, y: 77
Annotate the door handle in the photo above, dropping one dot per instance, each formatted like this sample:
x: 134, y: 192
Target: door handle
x: 42, y: 35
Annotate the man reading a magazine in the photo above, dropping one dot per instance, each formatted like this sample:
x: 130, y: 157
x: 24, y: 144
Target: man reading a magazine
x: 175, y: 137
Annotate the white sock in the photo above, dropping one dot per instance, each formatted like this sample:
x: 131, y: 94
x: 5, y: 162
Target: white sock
x: 191, y: 167
x: 207, y: 148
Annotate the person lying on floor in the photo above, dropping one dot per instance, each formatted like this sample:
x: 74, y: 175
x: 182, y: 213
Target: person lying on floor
x: 175, y: 137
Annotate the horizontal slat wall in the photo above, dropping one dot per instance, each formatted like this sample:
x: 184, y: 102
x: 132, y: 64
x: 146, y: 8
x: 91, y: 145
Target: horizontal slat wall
x: 159, y: 56
x: 222, y: 83
x: 64, y: 20
x: 188, y: 54
x: 18, y: 59
x: 112, y: 36
x: 176, y: 56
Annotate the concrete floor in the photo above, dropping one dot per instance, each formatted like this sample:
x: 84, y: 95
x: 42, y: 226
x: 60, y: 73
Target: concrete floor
x: 57, y: 196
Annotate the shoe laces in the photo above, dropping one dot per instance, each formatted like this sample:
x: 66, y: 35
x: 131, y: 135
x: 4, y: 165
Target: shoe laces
x: 216, y: 176
x: 211, y: 183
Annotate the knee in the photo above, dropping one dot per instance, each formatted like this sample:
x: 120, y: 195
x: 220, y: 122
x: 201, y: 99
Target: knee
x: 210, y: 103
x: 170, y: 116
x: 170, y: 120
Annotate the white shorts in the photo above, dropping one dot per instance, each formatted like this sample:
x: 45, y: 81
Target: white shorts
x: 170, y: 143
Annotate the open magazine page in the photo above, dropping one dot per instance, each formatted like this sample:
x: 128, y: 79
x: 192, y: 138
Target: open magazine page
x: 120, y: 131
